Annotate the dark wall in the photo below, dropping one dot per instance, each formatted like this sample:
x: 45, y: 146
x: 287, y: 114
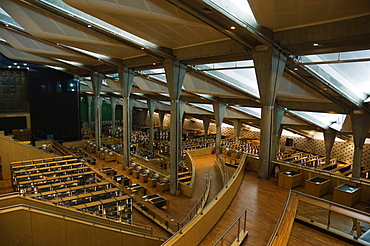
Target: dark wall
x: 54, y: 104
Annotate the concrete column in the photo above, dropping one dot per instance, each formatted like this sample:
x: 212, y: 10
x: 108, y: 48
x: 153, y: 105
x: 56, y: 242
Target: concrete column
x: 219, y: 111
x: 269, y: 65
x: 175, y: 73
x: 151, y: 107
x: 130, y: 108
x: 89, y: 101
x: 126, y: 79
x: 96, y: 80
x: 206, y: 121
x: 279, y: 113
x: 237, y: 127
x: 161, y: 117
x: 113, y: 103
x: 360, y: 129
x: 329, y: 137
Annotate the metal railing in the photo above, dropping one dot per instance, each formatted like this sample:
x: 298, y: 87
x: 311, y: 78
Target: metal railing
x: 242, y: 227
x: 197, y: 208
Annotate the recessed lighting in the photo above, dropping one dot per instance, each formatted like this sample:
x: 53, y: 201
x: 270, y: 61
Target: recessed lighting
x: 142, y: 48
x: 88, y: 25
x: 154, y: 64
x: 14, y: 63
x: 316, y: 44
x: 232, y: 27
x: 295, y: 68
x: 325, y: 89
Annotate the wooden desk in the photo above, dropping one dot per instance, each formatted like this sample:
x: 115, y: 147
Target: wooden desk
x: 163, y: 186
x: 290, y: 179
x: 317, y: 186
x: 129, y: 170
x: 152, y: 182
x: 144, y: 177
x: 136, y: 173
x: 346, y: 194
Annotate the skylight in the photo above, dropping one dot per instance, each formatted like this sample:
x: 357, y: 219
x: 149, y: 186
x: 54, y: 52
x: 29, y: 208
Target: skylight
x: 343, y: 72
x: 61, y: 6
x: 208, y: 107
x: 255, y: 112
x: 323, y: 120
x: 237, y: 10
x: 234, y: 75
x: 8, y: 19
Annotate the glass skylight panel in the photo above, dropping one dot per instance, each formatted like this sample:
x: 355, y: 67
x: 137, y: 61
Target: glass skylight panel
x: 161, y: 77
x: 237, y: 10
x: 93, y: 54
x: 223, y: 65
x: 349, y: 78
x: 255, y: 112
x: 59, y: 4
x: 4, y: 17
x: 242, y: 79
x: 153, y: 71
x: 323, y: 120
x: 208, y: 107
x: 77, y: 64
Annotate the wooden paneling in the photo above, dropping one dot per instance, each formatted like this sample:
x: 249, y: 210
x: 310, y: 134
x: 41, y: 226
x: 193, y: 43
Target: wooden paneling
x: 13, y: 151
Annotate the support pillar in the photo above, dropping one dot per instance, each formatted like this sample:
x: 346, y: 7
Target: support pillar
x: 97, y: 80
x: 269, y: 65
x: 89, y: 101
x: 329, y: 137
x: 279, y: 113
x: 126, y: 79
x: 219, y: 111
x: 206, y: 121
x: 151, y: 107
x: 360, y: 129
x: 237, y: 128
x: 113, y: 103
x: 175, y: 73
x: 161, y: 117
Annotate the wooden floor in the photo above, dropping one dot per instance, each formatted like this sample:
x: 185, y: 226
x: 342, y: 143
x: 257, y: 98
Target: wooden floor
x: 263, y: 199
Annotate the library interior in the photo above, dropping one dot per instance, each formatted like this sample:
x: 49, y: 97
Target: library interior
x: 184, y: 122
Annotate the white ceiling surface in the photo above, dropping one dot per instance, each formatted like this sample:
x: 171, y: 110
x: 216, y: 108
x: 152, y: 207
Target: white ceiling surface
x: 25, y: 44
x: 15, y: 54
x: 289, y: 14
x: 196, y: 85
x: 49, y: 27
x: 164, y: 24
x: 157, y: 21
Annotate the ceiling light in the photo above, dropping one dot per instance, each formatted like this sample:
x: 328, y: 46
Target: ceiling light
x: 154, y: 64
x: 142, y: 48
x: 88, y: 25
x: 232, y: 27
x: 315, y: 44
x: 295, y: 68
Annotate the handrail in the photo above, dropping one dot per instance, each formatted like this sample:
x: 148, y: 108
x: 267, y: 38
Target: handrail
x: 112, y: 218
x: 94, y: 223
x: 199, y: 205
x: 224, y: 174
x: 326, y: 204
x: 232, y: 225
x: 169, y: 219
x: 277, y: 227
x: 325, y: 172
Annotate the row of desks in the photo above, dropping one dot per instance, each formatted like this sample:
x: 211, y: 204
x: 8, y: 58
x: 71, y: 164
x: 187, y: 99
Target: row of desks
x: 41, y: 169
x: 80, y: 178
x: 55, y: 173
x: 29, y: 164
x: 317, y: 186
